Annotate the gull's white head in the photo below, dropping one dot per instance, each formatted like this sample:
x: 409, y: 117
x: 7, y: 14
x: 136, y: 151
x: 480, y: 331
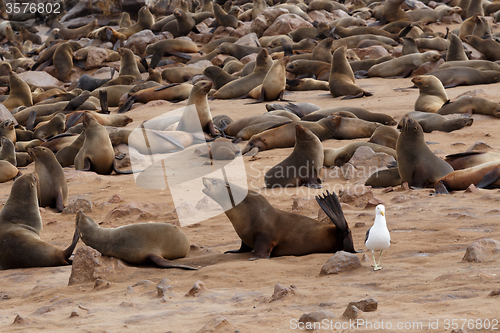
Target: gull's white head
x: 380, y: 210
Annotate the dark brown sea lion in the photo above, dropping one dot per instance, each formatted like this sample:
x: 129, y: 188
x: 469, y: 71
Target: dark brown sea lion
x: 52, y: 128
x: 272, y: 232
x: 417, y: 164
x: 218, y: 76
x: 66, y: 156
x: 471, y: 158
x: 20, y: 228
x: 137, y: 243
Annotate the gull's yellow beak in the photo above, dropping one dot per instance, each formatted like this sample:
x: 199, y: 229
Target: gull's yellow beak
x: 382, y: 213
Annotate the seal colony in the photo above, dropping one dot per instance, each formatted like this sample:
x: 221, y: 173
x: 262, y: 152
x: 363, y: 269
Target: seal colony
x: 75, y: 121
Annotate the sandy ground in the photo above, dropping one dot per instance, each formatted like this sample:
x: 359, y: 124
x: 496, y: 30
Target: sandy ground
x: 424, y: 279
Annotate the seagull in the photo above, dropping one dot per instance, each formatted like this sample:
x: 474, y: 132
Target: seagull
x: 378, y: 237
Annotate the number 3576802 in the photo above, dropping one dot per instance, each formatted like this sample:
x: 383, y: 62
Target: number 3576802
x: 26, y: 8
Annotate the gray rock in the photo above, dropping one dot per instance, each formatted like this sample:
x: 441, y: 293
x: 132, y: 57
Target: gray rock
x: 483, y: 250
x: 358, y: 195
x: 280, y: 292
x: 80, y: 204
x: 285, y: 24
x: 249, y: 40
x: 89, y: 265
x: 480, y: 145
x: 39, y: 78
x: 340, y: 262
x: 316, y: 316
x: 366, y: 305
x: 351, y: 312
x: 196, y: 289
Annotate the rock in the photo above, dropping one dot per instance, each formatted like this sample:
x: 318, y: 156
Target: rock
x: 243, y: 29
x: 450, y: 19
x: 475, y: 54
x: 321, y: 16
x: 21, y: 320
x: 74, y: 313
x: 165, y: 7
x: 259, y: 25
x: 202, y: 38
x: 280, y: 292
x: 89, y: 265
x: 427, y: 67
x: 115, y: 198
x: 218, y: 60
x: 305, y: 204
x: 473, y: 93
x: 196, y: 289
x: 366, y: 305
x: 340, y: 262
x: 185, y: 209
x: 5, y: 114
x: 460, y: 330
x: 138, y: 42
x: 471, y: 189
x: 132, y: 6
x: 270, y: 14
x: 201, y: 64
x: 164, y: 290
x: 367, y: 162
x: 136, y: 208
x: 95, y: 57
x: 371, y: 52
x: 80, y: 204
x: 105, y: 8
x: 207, y: 204
x: 249, y: 40
x: 222, y: 32
x: 285, y: 24
x: 101, y: 284
x: 339, y: 13
x: 246, y: 59
x: 39, y: 78
x: 316, y: 316
x: 483, y: 250
x: 403, y: 198
x: 351, y: 312
x: 494, y: 293
x: 358, y: 195
x: 480, y: 145
x: 218, y: 324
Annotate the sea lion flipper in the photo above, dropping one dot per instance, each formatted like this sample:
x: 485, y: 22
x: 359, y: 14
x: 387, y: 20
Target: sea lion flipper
x: 155, y: 59
x: 87, y: 164
x: 263, y: 247
x: 331, y: 206
x: 252, y: 152
x: 69, y: 251
x: 144, y: 63
x: 59, y: 202
x: 163, y: 263
x: 103, y: 98
x: 30, y: 124
x: 180, y: 55
x: 169, y: 138
x: 440, y: 188
x: 489, y: 178
x: 127, y: 105
x: 167, y: 86
x: 72, y: 119
x: 243, y: 249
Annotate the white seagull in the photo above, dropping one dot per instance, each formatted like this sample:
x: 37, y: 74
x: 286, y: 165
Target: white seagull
x: 378, y: 237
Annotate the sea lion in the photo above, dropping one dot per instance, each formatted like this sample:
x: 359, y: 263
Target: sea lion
x: 409, y: 46
x: 488, y: 47
x: 436, y: 122
x: 97, y: 153
x: 465, y: 76
x: 354, y: 128
x: 180, y: 74
x: 302, y: 166
x: 55, y: 126
x: 432, y: 93
x: 124, y: 21
x: 385, y: 135
x: 366, y: 64
x: 471, y: 158
x: 182, y: 24
x: 223, y: 19
x: 7, y: 129
x: 455, y: 50
x: 341, y: 79
x: 459, y: 180
x: 24, y: 145
x: 482, y: 65
x: 128, y: 65
x: 436, y: 43
x: 385, y: 178
x: 218, y: 76
x: 20, y: 228
x: 306, y: 84
x: 361, y: 113
x: 63, y: 59
x: 23, y: 159
x: 468, y: 104
x: 284, y: 136
x: 159, y: 142
x: 77, y: 33
x: 236, y: 50
x: 404, y: 65
x: 391, y: 11
x: 52, y: 187
x: 20, y: 93
x: 137, y: 243
x: 322, y: 51
x: 66, y: 156
x: 244, y: 85
x: 427, y: 15
x: 174, y: 92
x: 238, y: 125
x: 340, y: 156
x: 145, y: 20
x: 8, y: 151
x: 274, y: 84
x: 417, y: 164
x: 271, y: 232
x: 193, y: 117
x: 319, y: 69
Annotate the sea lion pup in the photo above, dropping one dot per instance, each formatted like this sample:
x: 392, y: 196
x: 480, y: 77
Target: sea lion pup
x: 386, y: 136
x: 63, y: 59
x: 319, y: 69
x: 404, y: 65
x: 174, y: 92
x: 274, y: 84
x: 480, y: 175
x: 488, y: 47
x: 182, y: 24
x: 302, y: 166
x: 271, y: 232
x: 137, y: 243
x: 193, y: 117
x: 385, y: 178
x: 417, y: 164
x: 20, y: 93
x: 77, y: 33
x: 436, y: 122
x: 244, y: 85
x: 8, y: 151
x: 66, y: 156
x: 464, y: 76
x: 218, y: 76
x: 432, y: 94
x: 7, y: 129
x: 471, y: 158
x: 97, y: 153
x: 52, y: 128
x: 340, y: 156
x: 238, y: 125
x: 409, y: 46
x: 306, y: 84
x: 145, y: 21
x: 427, y: 15
x: 20, y: 228
x: 284, y: 136
x: 341, y: 79
x: 482, y: 65
x: 52, y: 187
x: 471, y: 105
x: 128, y: 65
x: 456, y: 49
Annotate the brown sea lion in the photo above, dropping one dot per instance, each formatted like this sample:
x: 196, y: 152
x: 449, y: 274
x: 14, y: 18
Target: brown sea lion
x: 361, y: 113
x: 145, y: 20
x: 218, y: 76
x: 223, y: 19
x: 77, y: 33
x: 274, y: 84
x: 455, y: 50
x: 306, y: 84
x: 66, y: 156
x: 137, y: 243
x: 432, y: 93
x: 8, y: 151
x: 417, y: 164
x: 482, y: 65
x: 341, y: 79
x: 24, y: 145
x: 172, y: 92
x: 128, y: 65
x: 182, y: 24
x: 404, y: 65
x: 180, y: 74
x: 63, y: 59
x: 468, y: 104
x: 427, y: 15
x: 436, y: 122
x: 199, y: 113
x: 20, y: 93
x: 488, y: 47
x: 7, y: 129
x: 52, y: 187
x: 236, y: 50
x: 392, y: 12
x: 55, y: 126
x: 465, y: 76
x: 385, y: 135
x: 471, y: 158
x: 159, y: 142
x: 459, y: 180
x: 20, y: 228
x: 319, y: 69
x: 262, y: 230
x: 302, y: 166
x: 340, y: 156
x: 238, y: 125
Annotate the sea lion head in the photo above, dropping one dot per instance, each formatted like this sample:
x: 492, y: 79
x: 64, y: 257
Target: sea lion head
x: 331, y: 122
x: 179, y: 13
x: 219, y: 191
x: 203, y: 86
x: 458, y: 123
x: 224, y: 47
x: 38, y: 152
x: 411, y: 126
x: 88, y: 120
x: 432, y: 56
x: 263, y: 59
x: 83, y: 223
